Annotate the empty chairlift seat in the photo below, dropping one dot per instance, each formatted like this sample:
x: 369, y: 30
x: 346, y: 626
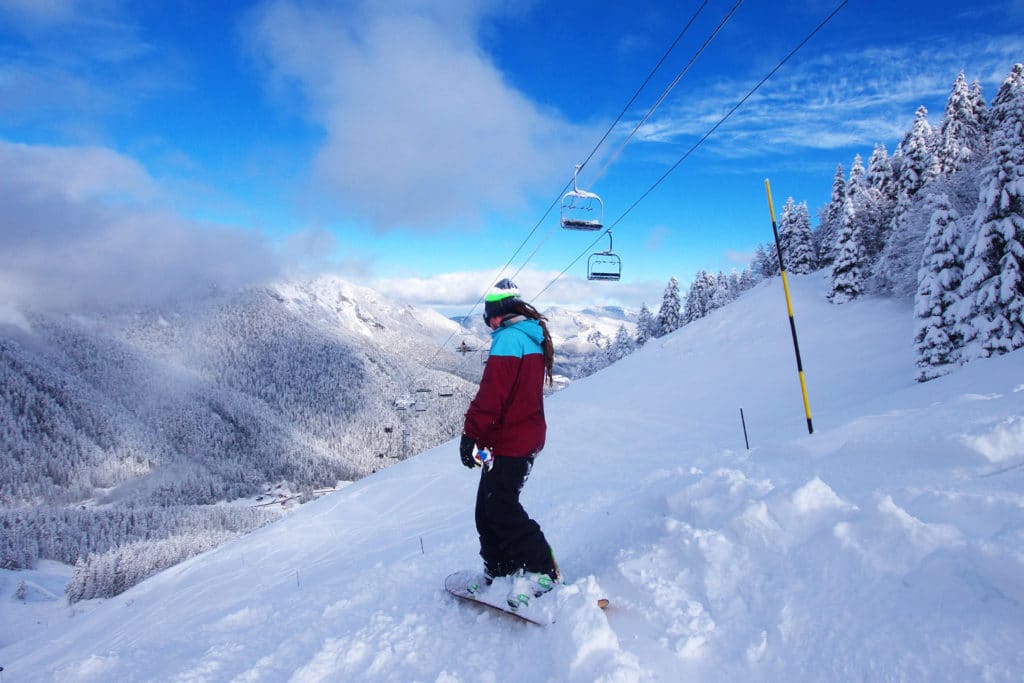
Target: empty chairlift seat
x: 604, y: 265
x: 580, y: 209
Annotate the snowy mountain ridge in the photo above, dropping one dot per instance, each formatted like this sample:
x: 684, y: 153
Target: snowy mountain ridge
x: 323, y: 360
x: 191, y: 404
x: 885, y: 546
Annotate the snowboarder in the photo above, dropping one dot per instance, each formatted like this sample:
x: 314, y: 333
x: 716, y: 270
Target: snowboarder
x: 504, y: 431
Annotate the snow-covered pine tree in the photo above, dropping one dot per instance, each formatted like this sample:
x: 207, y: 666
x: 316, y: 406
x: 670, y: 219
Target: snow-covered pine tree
x: 785, y: 227
x: 735, y: 286
x: 747, y: 279
x: 858, y: 179
x: 800, y: 257
x: 980, y: 108
x: 621, y: 346
x: 722, y: 294
x: 992, y: 318
x: 826, y: 235
x: 765, y: 263
x: 880, y: 173
x: 586, y: 367
x: 960, y: 134
x: 669, y: 315
x: 920, y: 164
x: 935, y: 305
x: 917, y: 168
x: 644, y: 325
x: 849, y: 267
x: 699, y: 297
x: 875, y: 202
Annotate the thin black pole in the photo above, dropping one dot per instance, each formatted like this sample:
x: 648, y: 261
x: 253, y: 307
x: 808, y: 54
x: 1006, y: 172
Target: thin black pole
x: 744, y: 421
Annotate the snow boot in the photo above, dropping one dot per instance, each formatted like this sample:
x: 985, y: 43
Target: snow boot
x: 476, y: 585
x: 526, y: 586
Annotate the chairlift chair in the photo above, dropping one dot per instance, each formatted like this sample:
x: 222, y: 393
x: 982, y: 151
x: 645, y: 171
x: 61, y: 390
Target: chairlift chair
x: 604, y: 265
x: 581, y: 210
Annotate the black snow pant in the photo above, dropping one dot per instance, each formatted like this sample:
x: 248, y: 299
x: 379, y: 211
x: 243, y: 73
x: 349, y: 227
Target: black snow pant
x: 509, y: 539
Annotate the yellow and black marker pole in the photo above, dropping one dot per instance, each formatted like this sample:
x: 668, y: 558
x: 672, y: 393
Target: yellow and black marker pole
x: 789, y: 309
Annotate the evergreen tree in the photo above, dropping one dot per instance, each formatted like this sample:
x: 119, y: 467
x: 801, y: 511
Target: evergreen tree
x: 621, y: 346
x: 848, y: 270
x: 980, y: 108
x: 992, y: 321
x: 765, y: 264
x: 644, y: 325
x: 939, y: 277
x: 960, y: 133
x: 799, y: 253
x: 669, y: 314
x: 858, y: 179
x: 722, y: 294
x: 699, y: 297
x: 587, y: 367
x: 880, y: 173
x: 895, y: 271
x: 786, y: 229
x: 832, y: 220
x: 735, y: 285
x: 919, y: 164
x: 875, y: 203
x: 747, y: 279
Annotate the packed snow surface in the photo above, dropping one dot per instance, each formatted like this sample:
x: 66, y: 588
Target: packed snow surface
x: 888, y: 545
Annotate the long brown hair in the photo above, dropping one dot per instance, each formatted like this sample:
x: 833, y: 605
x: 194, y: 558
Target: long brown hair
x: 528, y: 311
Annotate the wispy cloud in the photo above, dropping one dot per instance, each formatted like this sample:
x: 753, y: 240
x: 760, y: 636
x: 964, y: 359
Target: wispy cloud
x: 40, y: 12
x: 420, y: 127
x: 833, y: 101
x: 86, y: 228
x: 67, y: 65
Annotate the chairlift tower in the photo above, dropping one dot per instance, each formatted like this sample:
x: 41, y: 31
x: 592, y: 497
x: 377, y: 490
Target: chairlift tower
x: 402, y: 405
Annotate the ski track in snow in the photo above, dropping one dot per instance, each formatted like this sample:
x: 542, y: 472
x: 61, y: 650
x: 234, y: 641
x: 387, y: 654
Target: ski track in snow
x: 886, y: 546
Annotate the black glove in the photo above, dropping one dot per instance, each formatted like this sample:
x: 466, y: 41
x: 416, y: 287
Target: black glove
x: 466, y: 447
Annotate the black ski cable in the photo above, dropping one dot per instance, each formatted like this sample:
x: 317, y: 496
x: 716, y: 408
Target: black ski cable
x: 646, y: 116
x: 665, y: 93
x: 697, y: 144
x: 593, y: 151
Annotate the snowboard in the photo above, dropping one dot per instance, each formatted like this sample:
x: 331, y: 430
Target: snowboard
x: 493, y: 596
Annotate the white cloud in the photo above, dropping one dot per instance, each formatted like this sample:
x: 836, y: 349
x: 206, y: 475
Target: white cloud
x: 456, y: 293
x: 74, y: 234
x: 421, y: 129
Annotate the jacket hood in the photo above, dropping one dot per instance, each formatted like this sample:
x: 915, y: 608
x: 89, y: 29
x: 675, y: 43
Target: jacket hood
x: 528, y: 326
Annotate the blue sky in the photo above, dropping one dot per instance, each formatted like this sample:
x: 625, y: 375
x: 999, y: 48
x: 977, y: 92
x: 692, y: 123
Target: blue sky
x: 156, y: 149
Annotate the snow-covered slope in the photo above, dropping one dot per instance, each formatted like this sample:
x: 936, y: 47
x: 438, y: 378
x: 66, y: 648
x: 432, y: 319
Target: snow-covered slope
x: 885, y: 546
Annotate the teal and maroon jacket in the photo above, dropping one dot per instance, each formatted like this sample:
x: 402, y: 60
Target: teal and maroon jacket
x: 507, y: 414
